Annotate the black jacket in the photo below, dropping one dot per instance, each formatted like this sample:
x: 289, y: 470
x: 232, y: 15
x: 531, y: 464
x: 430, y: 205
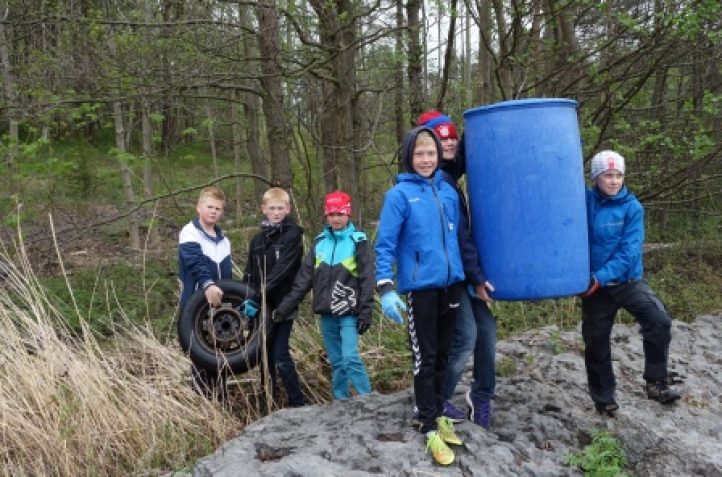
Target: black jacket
x: 274, y: 258
x: 339, y: 268
x: 453, y: 170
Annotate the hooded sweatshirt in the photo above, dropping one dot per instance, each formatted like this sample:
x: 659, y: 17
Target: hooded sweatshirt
x: 418, y: 229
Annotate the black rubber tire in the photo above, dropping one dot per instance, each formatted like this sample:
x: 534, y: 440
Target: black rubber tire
x: 228, y: 338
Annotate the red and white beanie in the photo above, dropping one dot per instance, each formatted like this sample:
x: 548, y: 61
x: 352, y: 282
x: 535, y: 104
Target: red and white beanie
x: 442, y: 124
x: 607, y: 161
x: 337, y: 202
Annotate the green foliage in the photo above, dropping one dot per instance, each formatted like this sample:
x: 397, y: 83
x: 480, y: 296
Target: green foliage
x: 556, y: 343
x: 604, y: 457
x: 505, y: 367
x: 109, y: 293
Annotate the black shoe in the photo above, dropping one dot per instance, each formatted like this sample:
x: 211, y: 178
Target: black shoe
x: 606, y: 408
x: 674, y: 378
x: 661, y: 392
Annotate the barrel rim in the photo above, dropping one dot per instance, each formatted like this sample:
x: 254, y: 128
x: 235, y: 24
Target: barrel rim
x: 521, y: 104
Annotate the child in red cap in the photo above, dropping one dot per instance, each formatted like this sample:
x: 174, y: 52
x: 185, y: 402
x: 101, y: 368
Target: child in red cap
x: 340, y: 270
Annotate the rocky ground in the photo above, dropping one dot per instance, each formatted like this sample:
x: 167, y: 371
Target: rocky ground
x: 542, y: 413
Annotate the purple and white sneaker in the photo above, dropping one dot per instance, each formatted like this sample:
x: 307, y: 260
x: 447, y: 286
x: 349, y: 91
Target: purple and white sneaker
x: 479, y: 411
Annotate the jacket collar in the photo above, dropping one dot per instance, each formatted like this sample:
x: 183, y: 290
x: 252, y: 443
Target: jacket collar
x: 219, y: 233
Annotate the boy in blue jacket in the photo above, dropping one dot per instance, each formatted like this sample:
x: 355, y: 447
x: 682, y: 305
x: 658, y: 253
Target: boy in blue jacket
x: 339, y: 268
x: 475, y: 324
x: 418, y: 233
x: 204, y: 255
x: 616, y: 235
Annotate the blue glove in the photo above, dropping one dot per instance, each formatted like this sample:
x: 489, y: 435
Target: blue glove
x: 392, y: 306
x: 250, y: 308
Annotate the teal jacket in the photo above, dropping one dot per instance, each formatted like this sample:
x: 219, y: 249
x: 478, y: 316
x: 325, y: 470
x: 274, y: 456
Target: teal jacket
x: 339, y: 268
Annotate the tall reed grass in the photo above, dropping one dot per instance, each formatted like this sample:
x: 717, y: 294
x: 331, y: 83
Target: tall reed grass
x: 72, y: 405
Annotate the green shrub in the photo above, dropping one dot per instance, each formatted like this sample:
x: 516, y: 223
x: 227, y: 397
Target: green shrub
x: 604, y: 457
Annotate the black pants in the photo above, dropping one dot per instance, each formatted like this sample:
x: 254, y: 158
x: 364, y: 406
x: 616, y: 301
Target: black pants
x: 280, y: 363
x: 598, y: 313
x: 432, y: 315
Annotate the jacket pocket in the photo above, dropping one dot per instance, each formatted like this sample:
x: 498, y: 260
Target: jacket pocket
x: 417, y: 258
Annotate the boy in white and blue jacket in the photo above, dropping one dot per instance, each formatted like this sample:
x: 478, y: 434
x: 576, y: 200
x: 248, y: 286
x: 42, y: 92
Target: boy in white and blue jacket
x: 616, y: 237
x: 204, y: 256
x: 418, y: 233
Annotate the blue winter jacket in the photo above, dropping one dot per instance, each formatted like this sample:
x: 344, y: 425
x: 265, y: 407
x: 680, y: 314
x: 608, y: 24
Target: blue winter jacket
x: 418, y: 230
x: 616, y: 236
x: 202, y: 259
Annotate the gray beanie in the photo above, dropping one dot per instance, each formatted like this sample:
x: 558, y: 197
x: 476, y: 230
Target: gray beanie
x: 606, y: 161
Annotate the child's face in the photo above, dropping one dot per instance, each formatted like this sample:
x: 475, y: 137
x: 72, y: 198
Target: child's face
x: 275, y: 210
x: 425, y: 158
x: 337, y: 221
x: 610, y: 182
x: 209, y: 210
x: 450, y: 146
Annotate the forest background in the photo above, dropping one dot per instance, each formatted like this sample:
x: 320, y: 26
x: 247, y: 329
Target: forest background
x: 114, y: 114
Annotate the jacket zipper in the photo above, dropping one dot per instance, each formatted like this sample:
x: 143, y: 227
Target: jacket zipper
x: 443, y: 231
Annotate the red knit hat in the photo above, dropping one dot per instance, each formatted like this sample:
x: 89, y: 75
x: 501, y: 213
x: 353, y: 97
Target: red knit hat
x: 338, y: 202
x: 442, y: 124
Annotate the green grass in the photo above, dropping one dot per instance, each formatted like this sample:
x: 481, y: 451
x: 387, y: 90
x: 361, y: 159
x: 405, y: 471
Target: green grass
x: 111, y: 292
x: 604, y: 457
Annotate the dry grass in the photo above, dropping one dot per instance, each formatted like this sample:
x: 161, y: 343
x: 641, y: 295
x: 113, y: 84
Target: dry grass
x: 70, y: 405
x: 74, y: 404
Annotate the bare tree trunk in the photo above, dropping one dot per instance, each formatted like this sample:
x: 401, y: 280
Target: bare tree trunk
x: 448, y: 56
x: 11, y: 98
x: 480, y: 10
x: 276, y: 128
x: 251, y: 105
x: 536, y: 46
x: 126, y: 175
x: 416, y: 90
x: 399, y: 80
x: 148, y: 154
x: 338, y: 37
x: 468, y: 98
x: 212, y: 139
x: 237, y: 163
x: 503, y: 71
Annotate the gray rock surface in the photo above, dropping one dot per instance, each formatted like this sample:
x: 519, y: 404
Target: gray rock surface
x: 542, y: 412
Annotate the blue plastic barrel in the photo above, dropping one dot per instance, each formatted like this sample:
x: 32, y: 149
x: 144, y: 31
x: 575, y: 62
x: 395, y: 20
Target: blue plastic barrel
x: 525, y: 179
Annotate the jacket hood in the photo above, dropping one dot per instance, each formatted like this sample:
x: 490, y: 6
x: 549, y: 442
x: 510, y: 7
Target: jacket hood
x: 407, y: 150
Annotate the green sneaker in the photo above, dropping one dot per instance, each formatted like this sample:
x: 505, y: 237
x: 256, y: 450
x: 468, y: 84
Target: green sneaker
x: 446, y: 431
x: 438, y: 448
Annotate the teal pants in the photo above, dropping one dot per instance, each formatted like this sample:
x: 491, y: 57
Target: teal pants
x: 340, y: 336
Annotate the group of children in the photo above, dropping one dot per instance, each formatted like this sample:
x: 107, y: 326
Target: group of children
x: 424, y: 251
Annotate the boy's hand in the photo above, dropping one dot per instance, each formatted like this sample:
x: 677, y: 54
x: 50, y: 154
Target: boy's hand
x: 250, y: 308
x: 480, y: 291
x: 214, y: 295
x: 277, y: 317
x: 593, y: 287
x: 392, y: 306
x: 363, y: 325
